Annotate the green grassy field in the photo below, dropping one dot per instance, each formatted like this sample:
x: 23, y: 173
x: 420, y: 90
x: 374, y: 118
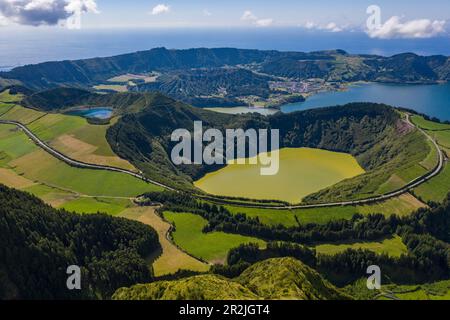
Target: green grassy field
x: 17, y: 152
x: 71, y: 135
x: 302, y: 171
x: 394, y: 247
x: 212, y: 247
x: 428, y: 125
x: 403, y: 205
x: 21, y: 114
x: 94, y: 205
x: 5, y: 96
x: 54, y: 125
x: 172, y: 258
x: 437, y: 188
x: 112, y: 87
x: 429, y: 291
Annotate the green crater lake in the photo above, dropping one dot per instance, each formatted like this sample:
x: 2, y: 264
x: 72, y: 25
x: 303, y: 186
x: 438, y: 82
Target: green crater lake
x: 302, y: 171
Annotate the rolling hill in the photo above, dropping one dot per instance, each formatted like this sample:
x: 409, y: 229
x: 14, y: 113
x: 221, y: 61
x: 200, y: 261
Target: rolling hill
x: 274, y: 279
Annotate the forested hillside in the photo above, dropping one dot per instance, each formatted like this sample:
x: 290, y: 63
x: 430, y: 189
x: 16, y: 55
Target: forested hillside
x: 285, y: 278
x: 38, y: 244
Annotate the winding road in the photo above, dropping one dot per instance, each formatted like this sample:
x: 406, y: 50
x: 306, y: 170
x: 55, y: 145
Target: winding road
x: 75, y: 163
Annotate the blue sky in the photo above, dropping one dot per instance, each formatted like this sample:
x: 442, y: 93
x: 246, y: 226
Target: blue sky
x: 119, y: 13
x: 400, y: 18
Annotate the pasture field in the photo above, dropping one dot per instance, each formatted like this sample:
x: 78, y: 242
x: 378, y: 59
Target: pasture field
x: 71, y: 135
x: 21, y: 155
x: 51, y: 195
x: 212, y: 247
x: 129, y: 77
x: 10, y: 178
x: 13, y: 143
x: 442, y: 138
x: 437, y: 188
x: 172, y: 258
x: 111, y: 206
x: 429, y: 125
x: 7, y: 97
x: 393, y: 247
x: 42, y: 167
x: 430, y: 291
x: 302, y: 171
x: 432, y: 159
x: 21, y: 114
x: 402, y: 206
x: 112, y: 87
x: 288, y: 217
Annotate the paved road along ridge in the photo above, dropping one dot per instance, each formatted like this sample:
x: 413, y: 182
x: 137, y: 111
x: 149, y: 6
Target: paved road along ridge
x: 75, y: 163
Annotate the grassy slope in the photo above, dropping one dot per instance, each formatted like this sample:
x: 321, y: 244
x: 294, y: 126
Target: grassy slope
x: 287, y: 278
x: 401, y: 206
x: 94, y: 205
x: 71, y: 135
x: 212, y: 247
x: 27, y: 160
x: 172, y: 258
x: 406, y: 154
x: 283, y: 279
x: 393, y: 247
x: 429, y: 291
x: 437, y: 188
x: 5, y: 96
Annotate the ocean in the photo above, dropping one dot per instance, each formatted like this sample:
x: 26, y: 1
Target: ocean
x: 24, y: 47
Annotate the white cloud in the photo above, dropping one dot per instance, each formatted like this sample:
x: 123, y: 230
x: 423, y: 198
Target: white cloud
x: 43, y: 12
x: 81, y: 6
x: 39, y: 5
x: 310, y: 25
x: 207, y: 13
x: 331, y: 26
x: 395, y: 28
x: 3, y: 21
x: 249, y: 16
x: 160, y: 9
x: 264, y: 22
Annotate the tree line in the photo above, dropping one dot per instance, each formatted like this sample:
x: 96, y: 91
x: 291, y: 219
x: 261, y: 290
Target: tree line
x: 38, y: 243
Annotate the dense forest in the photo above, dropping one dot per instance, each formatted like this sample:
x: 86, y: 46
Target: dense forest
x: 38, y: 244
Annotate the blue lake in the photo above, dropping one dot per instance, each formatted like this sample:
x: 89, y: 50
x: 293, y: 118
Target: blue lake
x: 432, y: 100
x: 98, y: 113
